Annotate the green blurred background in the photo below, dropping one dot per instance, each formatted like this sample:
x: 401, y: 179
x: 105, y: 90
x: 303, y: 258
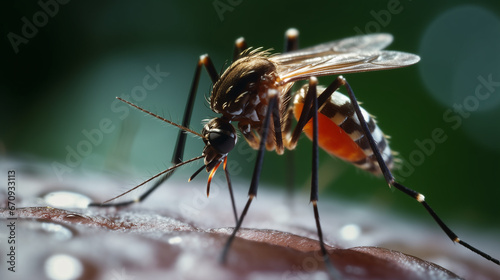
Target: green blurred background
x: 64, y: 79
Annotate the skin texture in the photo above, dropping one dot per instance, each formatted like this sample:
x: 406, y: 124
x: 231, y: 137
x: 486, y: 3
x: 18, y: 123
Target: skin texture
x: 179, y: 234
x: 269, y: 252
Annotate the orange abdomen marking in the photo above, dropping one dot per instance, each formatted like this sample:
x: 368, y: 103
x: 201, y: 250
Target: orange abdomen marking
x: 340, y: 133
x: 332, y: 138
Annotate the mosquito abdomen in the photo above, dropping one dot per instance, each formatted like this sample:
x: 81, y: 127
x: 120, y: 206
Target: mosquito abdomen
x: 340, y: 133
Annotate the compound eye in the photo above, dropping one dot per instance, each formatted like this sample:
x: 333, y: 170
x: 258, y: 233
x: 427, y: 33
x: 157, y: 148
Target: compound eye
x: 222, y: 141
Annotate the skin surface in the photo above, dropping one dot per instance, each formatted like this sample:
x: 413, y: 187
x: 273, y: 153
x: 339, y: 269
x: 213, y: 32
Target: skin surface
x: 153, y: 238
x: 179, y: 234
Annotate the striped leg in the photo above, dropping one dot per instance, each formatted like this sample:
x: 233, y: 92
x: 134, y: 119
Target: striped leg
x: 392, y: 182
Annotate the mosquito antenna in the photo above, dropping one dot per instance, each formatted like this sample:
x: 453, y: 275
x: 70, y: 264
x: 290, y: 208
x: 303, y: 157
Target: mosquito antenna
x: 161, y: 118
x: 155, y: 176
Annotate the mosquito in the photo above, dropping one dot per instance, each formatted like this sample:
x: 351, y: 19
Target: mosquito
x: 256, y: 92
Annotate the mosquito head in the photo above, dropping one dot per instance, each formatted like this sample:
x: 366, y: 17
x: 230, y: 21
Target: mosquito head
x: 220, y: 138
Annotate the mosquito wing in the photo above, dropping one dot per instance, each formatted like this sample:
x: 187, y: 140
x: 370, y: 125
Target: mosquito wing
x: 350, y: 55
x: 365, y: 43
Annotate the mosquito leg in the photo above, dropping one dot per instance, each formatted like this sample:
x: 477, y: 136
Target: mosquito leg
x: 291, y: 40
x: 239, y: 46
x: 307, y: 112
x: 230, y: 187
x: 188, y: 111
x: 186, y: 120
x: 207, y: 62
x: 278, y: 138
x: 290, y: 154
x: 252, y: 192
x: 204, y: 60
x: 392, y: 182
x: 314, y: 179
x: 291, y: 44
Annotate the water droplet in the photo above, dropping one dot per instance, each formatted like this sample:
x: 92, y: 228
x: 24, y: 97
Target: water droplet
x: 350, y: 232
x: 67, y: 199
x: 63, y: 267
x: 75, y: 217
x: 60, y: 232
x: 175, y: 240
x: 54, y: 230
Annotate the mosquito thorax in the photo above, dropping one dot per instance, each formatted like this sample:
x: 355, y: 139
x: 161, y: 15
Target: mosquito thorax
x: 220, y: 138
x: 241, y: 92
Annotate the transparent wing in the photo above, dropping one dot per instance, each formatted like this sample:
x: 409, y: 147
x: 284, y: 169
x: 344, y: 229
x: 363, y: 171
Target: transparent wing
x: 354, y: 54
x: 364, y: 43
